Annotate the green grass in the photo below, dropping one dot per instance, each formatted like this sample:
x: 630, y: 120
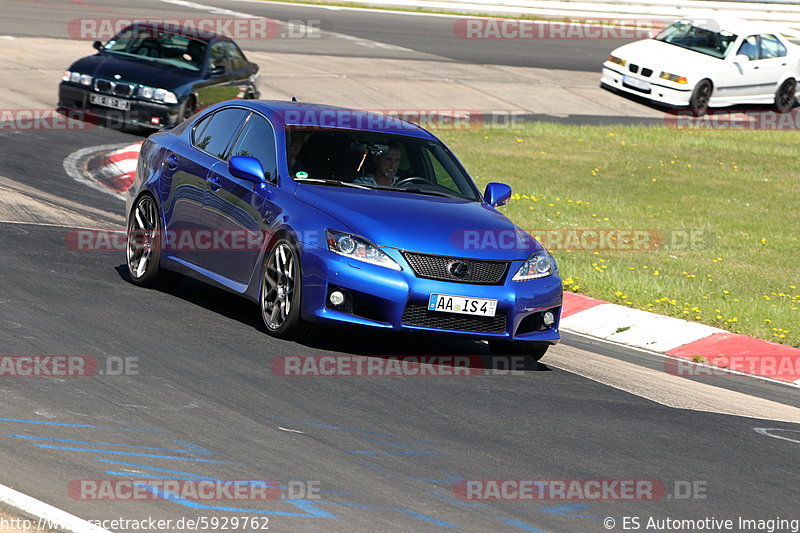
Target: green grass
x: 740, y: 190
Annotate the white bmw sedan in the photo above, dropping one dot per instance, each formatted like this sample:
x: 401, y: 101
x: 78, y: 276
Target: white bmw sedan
x: 702, y: 63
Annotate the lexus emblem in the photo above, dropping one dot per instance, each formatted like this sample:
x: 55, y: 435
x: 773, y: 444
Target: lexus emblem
x: 459, y: 269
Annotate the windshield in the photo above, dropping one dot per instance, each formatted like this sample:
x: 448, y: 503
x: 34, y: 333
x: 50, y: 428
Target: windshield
x: 154, y: 45
x: 376, y: 161
x: 682, y: 33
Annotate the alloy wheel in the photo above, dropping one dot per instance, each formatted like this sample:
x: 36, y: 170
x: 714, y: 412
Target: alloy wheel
x: 142, y: 234
x: 277, y: 288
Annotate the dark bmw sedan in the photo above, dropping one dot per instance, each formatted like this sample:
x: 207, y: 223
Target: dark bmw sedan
x: 149, y: 76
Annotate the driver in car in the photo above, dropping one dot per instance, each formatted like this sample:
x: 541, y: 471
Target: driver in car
x: 386, y: 166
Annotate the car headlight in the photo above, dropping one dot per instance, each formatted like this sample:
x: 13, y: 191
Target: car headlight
x: 537, y: 265
x: 673, y: 77
x: 617, y: 60
x: 77, y: 77
x: 159, y: 95
x: 359, y: 249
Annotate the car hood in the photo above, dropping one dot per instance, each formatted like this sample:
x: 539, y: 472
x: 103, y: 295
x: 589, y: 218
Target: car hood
x: 661, y: 56
x: 141, y: 71
x: 421, y: 223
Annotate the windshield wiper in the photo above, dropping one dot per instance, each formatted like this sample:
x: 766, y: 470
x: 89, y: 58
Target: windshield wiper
x: 333, y: 183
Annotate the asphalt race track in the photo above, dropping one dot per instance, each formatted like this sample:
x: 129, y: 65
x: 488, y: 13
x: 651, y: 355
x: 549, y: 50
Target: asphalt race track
x: 200, y: 397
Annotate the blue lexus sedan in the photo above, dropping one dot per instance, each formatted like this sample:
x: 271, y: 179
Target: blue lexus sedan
x: 326, y: 215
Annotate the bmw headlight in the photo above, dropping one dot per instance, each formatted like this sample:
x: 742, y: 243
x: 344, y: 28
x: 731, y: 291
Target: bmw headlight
x: 77, y: 77
x: 359, y: 249
x: 617, y: 60
x: 673, y: 77
x: 537, y: 265
x: 159, y: 95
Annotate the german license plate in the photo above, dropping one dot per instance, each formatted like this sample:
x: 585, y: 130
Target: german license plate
x: 110, y: 101
x: 636, y: 82
x: 462, y: 305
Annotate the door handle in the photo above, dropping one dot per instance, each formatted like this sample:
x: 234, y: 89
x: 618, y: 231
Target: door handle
x: 214, y: 183
x: 172, y: 162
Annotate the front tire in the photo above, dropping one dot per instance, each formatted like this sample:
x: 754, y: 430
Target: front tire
x: 786, y: 97
x: 281, y: 293
x: 533, y: 350
x: 700, y: 98
x: 143, y: 250
x: 187, y: 109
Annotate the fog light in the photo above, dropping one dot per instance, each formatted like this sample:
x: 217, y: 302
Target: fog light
x: 548, y: 319
x: 336, y: 298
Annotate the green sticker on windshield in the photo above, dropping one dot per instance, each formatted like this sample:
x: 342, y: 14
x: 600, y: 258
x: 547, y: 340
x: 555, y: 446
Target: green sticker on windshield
x: 301, y: 175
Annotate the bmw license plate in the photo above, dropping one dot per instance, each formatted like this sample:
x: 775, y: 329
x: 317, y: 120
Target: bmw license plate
x: 110, y: 101
x: 463, y: 305
x: 636, y: 82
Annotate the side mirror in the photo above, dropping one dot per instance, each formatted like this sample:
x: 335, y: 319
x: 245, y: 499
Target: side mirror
x: 247, y: 168
x: 97, y: 45
x: 497, y: 194
x: 741, y: 58
x: 217, y: 71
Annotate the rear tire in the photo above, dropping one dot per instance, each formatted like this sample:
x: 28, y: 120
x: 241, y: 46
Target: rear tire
x: 143, y: 249
x: 281, y: 293
x: 533, y: 350
x: 786, y: 97
x: 700, y: 98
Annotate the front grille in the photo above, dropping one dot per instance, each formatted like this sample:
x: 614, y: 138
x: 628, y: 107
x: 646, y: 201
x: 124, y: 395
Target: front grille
x: 438, y: 267
x: 114, y: 87
x: 633, y: 68
x: 647, y: 72
x: 418, y: 315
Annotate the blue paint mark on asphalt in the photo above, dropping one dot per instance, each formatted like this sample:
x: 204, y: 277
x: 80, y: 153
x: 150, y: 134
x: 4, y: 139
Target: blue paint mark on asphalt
x: 190, y: 447
x: 522, y: 525
x: 63, y: 424
x: 185, y: 476
x: 440, y: 494
x: 570, y: 510
x: 156, y: 469
x: 150, y: 455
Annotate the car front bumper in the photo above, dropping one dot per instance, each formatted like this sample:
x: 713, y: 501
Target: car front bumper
x: 397, y: 300
x: 612, y: 77
x: 141, y: 113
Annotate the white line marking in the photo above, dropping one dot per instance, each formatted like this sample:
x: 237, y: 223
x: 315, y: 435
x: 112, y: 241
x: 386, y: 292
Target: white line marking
x: 60, y: 520
x: 291, y: 430
x: 766, y: 432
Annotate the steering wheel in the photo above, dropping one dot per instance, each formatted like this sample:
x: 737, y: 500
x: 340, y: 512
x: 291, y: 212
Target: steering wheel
x: 410, y: 180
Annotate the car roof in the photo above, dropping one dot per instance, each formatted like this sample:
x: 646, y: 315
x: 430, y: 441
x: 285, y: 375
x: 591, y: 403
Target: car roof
x: 735, y: 25
x: 307, y: 115
x: 197, y: 34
